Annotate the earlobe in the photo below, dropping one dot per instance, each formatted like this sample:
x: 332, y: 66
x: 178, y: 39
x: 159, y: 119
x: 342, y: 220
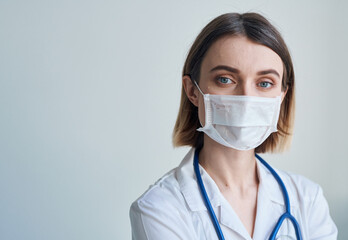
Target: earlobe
x: 190, y: 90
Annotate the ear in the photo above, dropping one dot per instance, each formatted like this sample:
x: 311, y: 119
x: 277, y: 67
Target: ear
x: 284, y: 93
x: 190, y: 89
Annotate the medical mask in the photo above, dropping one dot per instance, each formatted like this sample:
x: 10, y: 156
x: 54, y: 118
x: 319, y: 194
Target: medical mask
x: 240, y: 122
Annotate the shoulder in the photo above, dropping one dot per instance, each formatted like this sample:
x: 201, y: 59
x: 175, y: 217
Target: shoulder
x: 300, y: 189
x: 161, y: 211
x: 167, y: 191
x: 163, y: 190
x: 299, y: 186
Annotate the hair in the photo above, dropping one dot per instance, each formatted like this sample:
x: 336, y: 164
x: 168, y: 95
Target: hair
x: 259, y: 30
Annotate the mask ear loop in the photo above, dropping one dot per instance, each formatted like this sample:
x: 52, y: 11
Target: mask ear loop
x: 206, y: 109
x: 194, y: 81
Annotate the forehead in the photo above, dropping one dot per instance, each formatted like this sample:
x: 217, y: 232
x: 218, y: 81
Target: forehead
x: 241, y: 53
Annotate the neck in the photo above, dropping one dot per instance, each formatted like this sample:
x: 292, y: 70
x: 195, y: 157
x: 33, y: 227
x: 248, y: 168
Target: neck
x: 228, y: 167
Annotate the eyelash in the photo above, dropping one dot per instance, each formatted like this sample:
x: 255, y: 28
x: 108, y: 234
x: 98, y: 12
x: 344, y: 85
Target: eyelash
x: 269, y: 86
x: 219, y: 78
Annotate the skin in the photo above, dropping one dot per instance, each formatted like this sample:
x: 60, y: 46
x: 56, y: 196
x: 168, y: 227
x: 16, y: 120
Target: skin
x: 256, y: 71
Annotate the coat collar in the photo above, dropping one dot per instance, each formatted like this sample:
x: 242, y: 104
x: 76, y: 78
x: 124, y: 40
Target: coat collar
x: 188, y: 184
x: 186, y: 177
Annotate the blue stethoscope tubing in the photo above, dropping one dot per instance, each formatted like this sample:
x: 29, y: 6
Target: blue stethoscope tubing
x: 216, y: 224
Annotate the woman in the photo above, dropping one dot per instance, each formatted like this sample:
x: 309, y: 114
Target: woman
x: 237, y: 100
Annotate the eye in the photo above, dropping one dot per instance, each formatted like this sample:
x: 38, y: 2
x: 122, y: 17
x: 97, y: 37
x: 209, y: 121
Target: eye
x: 224, y: 80
x: 265, y: 84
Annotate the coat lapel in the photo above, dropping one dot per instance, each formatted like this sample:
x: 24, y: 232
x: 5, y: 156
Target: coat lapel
x: 267, y: 215
x: 270, y: 205
x: 230, y: 219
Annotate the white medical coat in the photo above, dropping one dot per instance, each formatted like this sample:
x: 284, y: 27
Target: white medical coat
x: 173, y: 208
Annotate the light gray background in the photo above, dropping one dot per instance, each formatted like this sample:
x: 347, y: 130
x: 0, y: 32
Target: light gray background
x: 89, y: 93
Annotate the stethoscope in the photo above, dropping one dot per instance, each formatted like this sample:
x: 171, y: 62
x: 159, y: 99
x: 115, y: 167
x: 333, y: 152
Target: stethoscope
x: 287, y: 213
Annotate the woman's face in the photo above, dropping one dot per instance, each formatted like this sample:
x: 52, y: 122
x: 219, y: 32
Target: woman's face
x: 234, y: 65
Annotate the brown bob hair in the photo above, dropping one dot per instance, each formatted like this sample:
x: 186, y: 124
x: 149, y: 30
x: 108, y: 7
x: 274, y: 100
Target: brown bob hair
x: 259, y: 30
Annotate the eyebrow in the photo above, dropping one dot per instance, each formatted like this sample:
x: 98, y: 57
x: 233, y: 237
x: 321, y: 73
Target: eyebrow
x: 224, y: 67
x: 268, y: 71
x: 235, y: 70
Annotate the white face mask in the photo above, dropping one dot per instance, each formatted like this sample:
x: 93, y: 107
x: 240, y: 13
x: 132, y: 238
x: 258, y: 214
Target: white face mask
x: 240, y: 122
